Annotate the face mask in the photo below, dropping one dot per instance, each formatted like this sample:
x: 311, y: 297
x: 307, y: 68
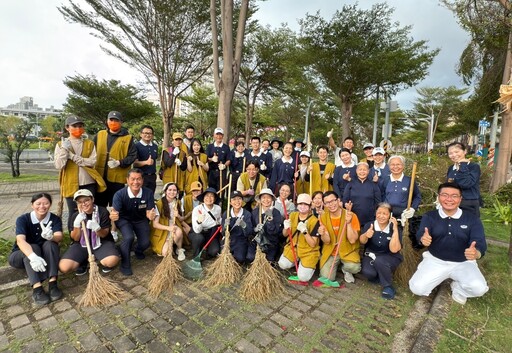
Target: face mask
x: 76, y: 131
x: 114, y: 125
x: 303, y: 208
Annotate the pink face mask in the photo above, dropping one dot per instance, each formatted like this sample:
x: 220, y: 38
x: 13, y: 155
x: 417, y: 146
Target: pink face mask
x: 303, y: 208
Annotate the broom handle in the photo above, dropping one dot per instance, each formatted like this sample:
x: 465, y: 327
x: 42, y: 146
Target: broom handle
x: 228, y: 215
x: 411, y: 187
x: 311, y: 178
x: 87, y: 242
x: 211, y: 238
x: 290, y: 237
x: 295, y: 180
x: 338, y: 247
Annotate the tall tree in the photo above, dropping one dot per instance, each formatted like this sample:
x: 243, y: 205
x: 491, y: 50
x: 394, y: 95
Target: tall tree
x: 487, y: 62
x: 14, y: 133
x: 165, y: 40
x: 92, y: 99
x: 263, y: 67
x: 226, y: 77
x: 358, y: 50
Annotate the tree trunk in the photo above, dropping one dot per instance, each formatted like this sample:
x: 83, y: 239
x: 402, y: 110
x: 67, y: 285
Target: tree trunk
x: 248, y: 118
x: 499, y: 177
x: 510, y: 247
x: 346, y: 115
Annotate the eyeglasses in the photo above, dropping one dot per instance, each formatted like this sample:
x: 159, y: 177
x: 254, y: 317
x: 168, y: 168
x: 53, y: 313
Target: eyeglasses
x: 147, y: 133
x: 84, y: 202
x: 448, y: 196
x: 331, y: 202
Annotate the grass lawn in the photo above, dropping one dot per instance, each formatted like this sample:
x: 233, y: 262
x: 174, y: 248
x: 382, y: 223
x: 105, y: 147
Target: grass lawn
x: 494, y: 229
x: 7, y: 178
x: 483, y: 324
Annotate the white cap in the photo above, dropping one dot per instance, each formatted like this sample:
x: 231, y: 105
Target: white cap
x: 218, y: 130
x: 304, y: 198
x: 367, y: 145
x: 82, y: 192
x: 377, y: 150
x: 305, y: 153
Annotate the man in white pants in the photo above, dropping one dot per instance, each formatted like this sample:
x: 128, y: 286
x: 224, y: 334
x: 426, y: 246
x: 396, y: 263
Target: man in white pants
x: 455, y: 240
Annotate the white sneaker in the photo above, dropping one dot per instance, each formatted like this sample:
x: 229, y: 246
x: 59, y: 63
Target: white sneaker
x: 181, y: 254
x: 456, y: 296
x: 349, y: 278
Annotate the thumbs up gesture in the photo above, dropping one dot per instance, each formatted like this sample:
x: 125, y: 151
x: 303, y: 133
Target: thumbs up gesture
x: 150, y: 161
x: 472, y: 253
x: 426, y: 239
x: 151, y: 214
x: 114, y: 215
x: 346, y: 176
x: 375, y: 177
x: 329, y: 133
x: 369, y: 232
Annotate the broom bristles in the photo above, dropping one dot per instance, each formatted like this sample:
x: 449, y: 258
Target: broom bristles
x: 262, y: 281
x: 224, y: 270
x: 404, y: 272
x: 100, y: 290
x: 166, y: 275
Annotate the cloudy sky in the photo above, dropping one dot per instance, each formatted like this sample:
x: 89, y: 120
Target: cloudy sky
x: 39, y: 49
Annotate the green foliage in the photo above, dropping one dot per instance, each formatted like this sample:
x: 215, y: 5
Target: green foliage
x: 502, y: 212
x: 14, y: 138
x: 92, y: 100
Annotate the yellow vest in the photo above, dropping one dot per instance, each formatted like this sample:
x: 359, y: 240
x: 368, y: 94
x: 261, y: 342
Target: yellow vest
x: 118, y: 151
x: 174, y: 174
x: 347, y: 252
x: 307, y: 255
x: 68, y: 177
x: 319, y: 183
x: 244, y: 177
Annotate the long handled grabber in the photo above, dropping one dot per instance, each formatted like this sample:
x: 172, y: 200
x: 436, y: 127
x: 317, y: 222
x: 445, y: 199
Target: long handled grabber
x: 100, y: 290
x: 327, y: 282
x: 192, y: 268
x: 224, y: 270
x: 168, y: 271
x: 293, y: 279
x: 406, y: 269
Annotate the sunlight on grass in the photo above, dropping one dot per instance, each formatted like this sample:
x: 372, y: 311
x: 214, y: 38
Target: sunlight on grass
x: 494, y: 229
x: 7, y: 178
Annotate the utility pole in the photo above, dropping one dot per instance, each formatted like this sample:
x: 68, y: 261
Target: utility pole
x: 376, y: 118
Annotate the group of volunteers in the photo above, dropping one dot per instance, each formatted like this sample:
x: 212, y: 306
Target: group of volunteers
x: 302, y: 214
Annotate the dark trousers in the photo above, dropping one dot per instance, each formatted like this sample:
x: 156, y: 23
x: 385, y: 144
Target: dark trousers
x: 270, y: 252
x: 71, y: 205
x: 49, y: 252
x: 130, y: 230
x: 214, y: 180
x: 239, y: 245
x: 198, y: 241
x: 472, y: 206
x: 381, y: 269
x: 105, y: 198
x: 150, y: 182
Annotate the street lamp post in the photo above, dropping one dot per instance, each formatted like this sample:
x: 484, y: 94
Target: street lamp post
x: 306, y: 128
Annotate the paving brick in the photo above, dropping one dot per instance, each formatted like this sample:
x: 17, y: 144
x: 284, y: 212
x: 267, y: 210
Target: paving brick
x: 294, y: 340
x: 42, y: 313
x: 162, y: 307
x: 14, y: 310
x: 89, y: 341
x: 207, y: 319
x: 57, y: 337
x: 282, y: 349
x: 31, y: 346
x: 272, y: 328
x: 4, y: 341
x: 61, y: 305
x: 191, y: 329
x: 24, y: 332
x: 9, y: 300
x: 19, y: 321
x: 118, y: 310
x: 100, y: 318
x: 123, y: 344
x: 142, y: 334
x: 299, y: 305
x: 179, y: 300
x: 48, y: 323
x: 2, y: 330
x: 79, y: 327
x: 131, y: 321
x: 246, y: 346
x: 213, y: 343
x: 139, y: 291
x: 135, y: 303
x: 111, y: 331
x: 281, y: 320
x: 157, y: 347
x: 147, y: 314
x: 291, y: 313
x: 260, y: 338
x: 70, y: 315
x: 161, y: 325
x: 101, y: 349
x: 177, y: 317
x: 175, y: 336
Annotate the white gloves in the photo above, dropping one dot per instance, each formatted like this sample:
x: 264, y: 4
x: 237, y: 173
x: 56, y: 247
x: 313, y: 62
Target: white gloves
x: 93, y: 225
x: 177, y: 161
x: 258, y: 228
x: 46, y: 232
x: 114, y: 163
x: 250, y: 192
x: 406, y: 214
x: 215, y: 158
x: 222, y: 166
x: 287, y: 224
x: 66, y: 144
x: 37, y: 263
x: 200, y: 218
x: 77, y: 159
x: 329, y: 133
x: 176, y: 151
x: 301, y: 227
x: 77, y: 223
x: 240, y: 222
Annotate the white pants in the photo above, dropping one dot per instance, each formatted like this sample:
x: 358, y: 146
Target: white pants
x: 303, y: 273
x: 467, y: 278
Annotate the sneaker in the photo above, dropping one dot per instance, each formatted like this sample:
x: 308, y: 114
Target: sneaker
x: 55, y: 293
x: 388, y: 292
x: 459, y: 298
x: 81, y: 270
x: 140, y: 255
x: 106, y: 269
x: 181, y: 254
x: 127, y: 271
x: 349, y: 278
x: 40, y: 297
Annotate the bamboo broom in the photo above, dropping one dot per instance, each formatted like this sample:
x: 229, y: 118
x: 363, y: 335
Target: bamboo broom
x: 406, y: 269
x: 100, y: 291
x: 168, y: 272
x: 224, y: 270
